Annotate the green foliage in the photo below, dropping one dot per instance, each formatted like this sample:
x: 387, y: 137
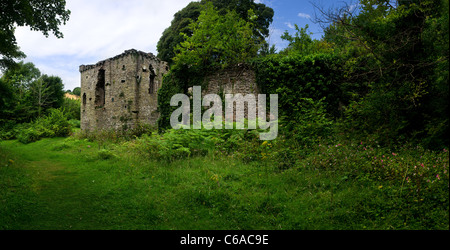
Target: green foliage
x: 216, y: 41
x: 295, y: 77
x: 45, y: 93
x: 77, y: 91
x: 302, y: 43
x: 72, y: 108
x: 41, y: 16
x: 53, y: 125
x: 396, y: 69
x: 312, y: 122
x: 105, y: 154
x: 25, y: 95
x: 337, y: 184
x: 173, y: 35
x: 180, y: 144
x: 171, y: 85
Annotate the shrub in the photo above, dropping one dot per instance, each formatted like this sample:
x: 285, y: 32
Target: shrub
x: 105, y: 154
x: 75, y: 123
x: 53, y: 125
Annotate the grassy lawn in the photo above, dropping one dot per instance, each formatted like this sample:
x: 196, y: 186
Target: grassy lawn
x: 68, y: 183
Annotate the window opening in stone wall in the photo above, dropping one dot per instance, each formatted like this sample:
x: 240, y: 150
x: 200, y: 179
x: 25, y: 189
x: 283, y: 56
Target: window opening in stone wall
x: 151, y: 88
x: 84, y: 99
x: 100, y: 89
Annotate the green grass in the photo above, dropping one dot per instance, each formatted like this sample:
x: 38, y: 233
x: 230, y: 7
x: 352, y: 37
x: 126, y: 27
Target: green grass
x: 69, y: 183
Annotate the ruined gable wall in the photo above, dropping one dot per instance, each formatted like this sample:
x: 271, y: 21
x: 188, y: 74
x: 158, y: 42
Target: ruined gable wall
x: 128, y: 96
x: 234, y: 80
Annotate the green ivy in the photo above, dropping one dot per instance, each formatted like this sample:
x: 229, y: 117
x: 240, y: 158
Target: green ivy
x: 295, y: 77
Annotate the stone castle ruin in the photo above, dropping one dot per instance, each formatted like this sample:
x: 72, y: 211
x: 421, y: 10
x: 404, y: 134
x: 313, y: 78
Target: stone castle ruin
x: 120, y: 92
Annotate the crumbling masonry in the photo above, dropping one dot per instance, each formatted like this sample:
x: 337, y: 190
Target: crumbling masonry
x: 119, y: 92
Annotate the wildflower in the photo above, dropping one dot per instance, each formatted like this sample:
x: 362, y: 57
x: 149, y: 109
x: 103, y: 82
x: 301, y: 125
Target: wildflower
x: 394, y: 154
x: 438, y: 177
x: 264, y: 143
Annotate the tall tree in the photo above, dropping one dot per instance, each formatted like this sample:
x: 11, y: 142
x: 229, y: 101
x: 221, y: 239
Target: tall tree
x: 17, y: 82
x: 46, y: 92
x: 217, y: 41
x: 180, y: 24
x: 40, y: 15
x: 393, y: 49
x: 77, y: 91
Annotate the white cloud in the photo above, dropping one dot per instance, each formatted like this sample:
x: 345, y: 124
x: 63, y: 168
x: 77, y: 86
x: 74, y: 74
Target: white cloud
x: 290, y: 25
x: 275, y: 38
x: 96, y: 30
x: 304, y: 15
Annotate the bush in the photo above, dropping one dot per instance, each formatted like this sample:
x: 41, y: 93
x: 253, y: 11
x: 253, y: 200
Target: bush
x: 180, y: 144
x: 53, y: 125
x: 72, y: 109
x: 295, y: 77
x: 105, y: 154
x: 75, y: 123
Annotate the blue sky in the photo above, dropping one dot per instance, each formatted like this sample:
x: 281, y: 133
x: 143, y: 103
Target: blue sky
x: 100, y: 29
x: 290, y: 12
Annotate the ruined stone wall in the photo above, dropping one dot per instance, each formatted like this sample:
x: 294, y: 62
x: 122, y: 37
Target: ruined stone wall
x: 234, y: 80
x: 119, y: 92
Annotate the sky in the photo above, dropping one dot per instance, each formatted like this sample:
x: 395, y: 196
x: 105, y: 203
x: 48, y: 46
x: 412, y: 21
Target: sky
x: 100, y: 29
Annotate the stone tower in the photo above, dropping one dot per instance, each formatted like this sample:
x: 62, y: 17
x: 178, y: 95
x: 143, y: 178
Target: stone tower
x: 119, y: 92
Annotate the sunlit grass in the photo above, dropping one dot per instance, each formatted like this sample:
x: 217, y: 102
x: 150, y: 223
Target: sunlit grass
x: 69, y: 183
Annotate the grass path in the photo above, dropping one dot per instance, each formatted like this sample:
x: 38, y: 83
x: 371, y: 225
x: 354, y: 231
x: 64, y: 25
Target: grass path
x: 65, y: 183
x: 59, y: 198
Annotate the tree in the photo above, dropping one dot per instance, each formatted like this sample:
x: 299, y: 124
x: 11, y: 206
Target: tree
x: 182, y: 19
x: 25, y: 94
x: 17, y: 82
x: 77, y: 91
x: 40, y: 15
x: 46, y: 92
x: 171, y: 37
x: 392, y: 52
x: 217, y: 41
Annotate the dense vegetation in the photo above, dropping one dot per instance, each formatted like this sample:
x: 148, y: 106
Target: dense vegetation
x: 181, y: 25
x: 44, y: 16
x: 33, y: 105
x: 363, y: 140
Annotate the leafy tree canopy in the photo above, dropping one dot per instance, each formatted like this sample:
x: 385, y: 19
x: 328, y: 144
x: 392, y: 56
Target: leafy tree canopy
x: 77, y: 91
x: 40, y: 15
x: 26, y: 94
x: 172, y: 36
x: 217, y: 40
